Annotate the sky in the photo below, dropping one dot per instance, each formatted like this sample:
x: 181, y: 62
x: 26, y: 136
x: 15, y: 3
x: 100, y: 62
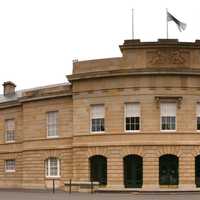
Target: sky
x: 39, y: 39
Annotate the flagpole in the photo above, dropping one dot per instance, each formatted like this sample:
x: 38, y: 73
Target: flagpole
x: 132, y: 23
x: 167, y: 22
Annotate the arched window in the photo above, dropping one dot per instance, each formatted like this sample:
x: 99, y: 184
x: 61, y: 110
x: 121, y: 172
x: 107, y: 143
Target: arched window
x: 133, y: 171
x: 197, y: 170
x: 98, y: 169
x: 168, y: 170
x: 52, y: 166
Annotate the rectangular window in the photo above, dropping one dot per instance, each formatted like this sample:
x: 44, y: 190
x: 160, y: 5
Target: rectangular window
x: 168, y: 116
x: 10, y: 130
x: 198, y: 116
x: 52, y: 123
x: 52, y: 167
x: 132, y: 116
x: 10, y: 165
x: 97, y: 118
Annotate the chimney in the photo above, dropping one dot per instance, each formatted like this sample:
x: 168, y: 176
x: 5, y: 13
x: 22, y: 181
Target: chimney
x: 9, y: 88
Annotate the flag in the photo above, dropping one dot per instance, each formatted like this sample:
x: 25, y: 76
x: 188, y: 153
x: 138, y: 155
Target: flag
x: 181, y: 26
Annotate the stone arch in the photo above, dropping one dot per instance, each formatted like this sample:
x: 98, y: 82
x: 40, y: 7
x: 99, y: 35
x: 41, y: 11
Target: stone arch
x: 172, y: 150
x: 103, y: 151
x: 52, y: 153
x: 132, y: 150
x: 196, y: 151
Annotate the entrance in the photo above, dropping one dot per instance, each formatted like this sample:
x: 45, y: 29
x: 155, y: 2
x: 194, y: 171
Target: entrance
x: 98, y: 169
x: 168, y: 170
x: 197, y: 171
x: 133, y: 171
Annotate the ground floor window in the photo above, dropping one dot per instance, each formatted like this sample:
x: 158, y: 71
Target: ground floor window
x: 10, y: 165
x: 133, y: 171
x: 98, y: 169
x: 52, y: 167
x: 168, y: 170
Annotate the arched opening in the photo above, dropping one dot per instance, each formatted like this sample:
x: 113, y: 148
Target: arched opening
x: 197, y: 171
x: 133, y: 171
x: 168, y: 170
x: 98, y: 169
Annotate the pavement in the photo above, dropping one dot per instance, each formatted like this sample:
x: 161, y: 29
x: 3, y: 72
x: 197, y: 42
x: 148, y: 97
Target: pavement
x: 59, y: 195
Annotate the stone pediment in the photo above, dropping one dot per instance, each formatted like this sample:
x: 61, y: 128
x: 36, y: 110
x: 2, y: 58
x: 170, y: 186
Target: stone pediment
x: 168, y: 58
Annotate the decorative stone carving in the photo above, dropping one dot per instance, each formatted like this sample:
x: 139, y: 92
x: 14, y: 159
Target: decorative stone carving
x: 177, y: 58
x: 168, y: 58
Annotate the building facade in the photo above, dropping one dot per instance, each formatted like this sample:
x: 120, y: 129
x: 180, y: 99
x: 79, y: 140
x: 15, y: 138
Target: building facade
x: 127, y: 122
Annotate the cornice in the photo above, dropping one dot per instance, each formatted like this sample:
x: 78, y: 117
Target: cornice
x: 136, y: 72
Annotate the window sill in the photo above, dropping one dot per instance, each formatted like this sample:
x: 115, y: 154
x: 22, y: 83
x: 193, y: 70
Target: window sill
x: 10, y: 171
x: 165, y: 131
x: 52, y: 137
x: 52, y: 177
x: 97, y: 132
x: 8, y: 142
x: 136, y: 131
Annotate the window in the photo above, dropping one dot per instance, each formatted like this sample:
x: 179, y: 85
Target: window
x: 97, y: 118
x: 132, y: 116
x: 198, y: 116
x: 10, y: 130
x: 52, y: 167
x: 52, y: 119
x: 168, y: 116
x: 10, y: 165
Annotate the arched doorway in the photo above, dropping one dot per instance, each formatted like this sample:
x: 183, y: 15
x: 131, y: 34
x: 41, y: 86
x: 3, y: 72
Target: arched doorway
x: 133, y: 171
x: 98, y: 169
x: 168, y: 170
x: 197, y: 171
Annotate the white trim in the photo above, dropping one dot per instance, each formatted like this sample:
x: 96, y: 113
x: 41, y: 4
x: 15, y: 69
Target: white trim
x: 97, y: 132
x: 168, y: 130
x: 48, y: 167
x: 10, y: 170
x: 47, y: 124
x: 140, y: 121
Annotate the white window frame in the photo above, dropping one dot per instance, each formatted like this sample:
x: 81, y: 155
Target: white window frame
x: 48, y: 168
x: 47, y: 124
x: 6, y: 131
x: 6, y: 167
x: 131, y: 131
x: 170, y: 130
x: 96, y: 132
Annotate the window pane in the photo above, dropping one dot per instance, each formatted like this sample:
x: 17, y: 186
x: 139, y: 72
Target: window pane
x: 132, y: 123
x: 10, y: 165
x: 10, y: 130
x: 52, y: 167
x: 98, y: 125
x: 168, y: 123
x: 52, y: 123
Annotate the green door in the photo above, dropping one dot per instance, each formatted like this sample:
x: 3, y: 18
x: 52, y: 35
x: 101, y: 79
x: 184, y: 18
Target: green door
x: 98, y: 169
x: 168, y: 170
x: 133, y: 171
x: 197, y: 171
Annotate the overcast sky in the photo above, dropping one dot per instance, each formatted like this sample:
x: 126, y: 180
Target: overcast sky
x: 40, y: 38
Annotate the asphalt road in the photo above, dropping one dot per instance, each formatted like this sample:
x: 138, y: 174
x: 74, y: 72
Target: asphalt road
x: 45, y: 195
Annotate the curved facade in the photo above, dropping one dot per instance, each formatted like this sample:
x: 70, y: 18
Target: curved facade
x: 127, y: 122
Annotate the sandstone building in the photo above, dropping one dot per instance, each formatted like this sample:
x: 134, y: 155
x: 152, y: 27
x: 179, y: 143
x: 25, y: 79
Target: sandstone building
x: 127, y: 122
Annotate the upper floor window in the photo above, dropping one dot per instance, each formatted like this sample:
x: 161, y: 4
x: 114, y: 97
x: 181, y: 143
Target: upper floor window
x: 132, y: 116
x: 10, y: 165
x: 168, y: 116
x: 9, y: 130
x: 97, y: 118
x: 198, y: 116
x: 52, y: 123
x: 52, y: 166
